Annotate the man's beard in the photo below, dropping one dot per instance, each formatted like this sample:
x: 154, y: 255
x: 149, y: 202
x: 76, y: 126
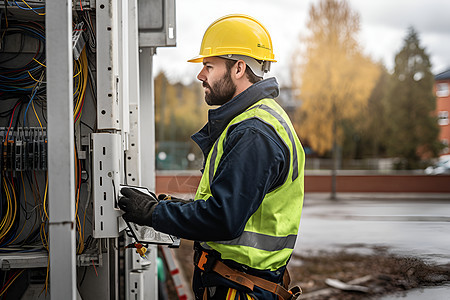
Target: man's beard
x: 221, y: 91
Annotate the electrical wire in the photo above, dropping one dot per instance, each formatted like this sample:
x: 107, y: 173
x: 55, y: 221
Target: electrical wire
x: 81, y: 83
x: 11, y: 211
x: 10, y: 281
x: 30, y: 8
x: 26, y: 83
x: 20, y: 80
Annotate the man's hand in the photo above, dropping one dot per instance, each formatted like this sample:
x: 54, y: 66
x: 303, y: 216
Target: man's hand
x: 137, y: 205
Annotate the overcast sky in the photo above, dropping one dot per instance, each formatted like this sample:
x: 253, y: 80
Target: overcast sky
x: 384, y: 25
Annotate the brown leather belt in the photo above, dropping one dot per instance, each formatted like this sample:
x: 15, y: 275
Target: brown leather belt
x: 207, y: 262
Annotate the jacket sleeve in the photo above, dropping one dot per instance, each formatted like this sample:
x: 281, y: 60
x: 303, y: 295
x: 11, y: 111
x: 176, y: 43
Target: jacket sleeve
x: 254, y: 161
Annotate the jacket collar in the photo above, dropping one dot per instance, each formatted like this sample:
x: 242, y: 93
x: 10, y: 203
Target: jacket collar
x: 219, y: 118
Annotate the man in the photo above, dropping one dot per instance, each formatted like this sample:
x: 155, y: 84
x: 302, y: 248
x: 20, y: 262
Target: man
x: 246, y: 212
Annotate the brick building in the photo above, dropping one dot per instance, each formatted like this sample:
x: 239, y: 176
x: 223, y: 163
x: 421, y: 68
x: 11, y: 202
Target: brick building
x: 442, y: 88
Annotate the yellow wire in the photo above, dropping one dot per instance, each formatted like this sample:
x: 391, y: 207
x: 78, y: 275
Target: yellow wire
x: 46, y: 278
x: 43, y: 236
x: 11, y: 214
x: 77, y: 69
x: 32, y: 104
x: 8, y: 221
x: 42, y: 232
x: 45, y: 195
x: 82, y: 82
x: 32, y: 77
x: 9, y: 284
x: 41, y: 14
x: 80, y: 246
x: 6, y: 218
x: 39, y: 62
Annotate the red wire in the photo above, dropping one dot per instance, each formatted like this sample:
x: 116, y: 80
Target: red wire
x: 9, y: 280
x: 81, y: 108
x: 10, y: 122
x: 81, y: 6
x: 95, y: 269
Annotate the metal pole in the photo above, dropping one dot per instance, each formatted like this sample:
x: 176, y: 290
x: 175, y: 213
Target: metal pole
x: 334, y: 154
x: 61, y: 186
x: 147, y: 149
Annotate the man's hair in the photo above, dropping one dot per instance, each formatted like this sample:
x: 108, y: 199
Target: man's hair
x: 229, y: 63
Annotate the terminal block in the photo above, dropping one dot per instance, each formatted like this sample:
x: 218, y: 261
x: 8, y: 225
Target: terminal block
x: 23, y: 149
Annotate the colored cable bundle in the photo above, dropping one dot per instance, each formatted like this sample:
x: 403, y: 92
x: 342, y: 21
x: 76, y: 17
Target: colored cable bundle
x: 80, y: 83
x: 19, y: 81
x: 29, y: 8
x: 14, y: 275
x: 9, y: 217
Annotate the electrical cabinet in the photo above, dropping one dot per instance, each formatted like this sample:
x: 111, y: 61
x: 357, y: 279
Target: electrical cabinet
x: 75, y: 78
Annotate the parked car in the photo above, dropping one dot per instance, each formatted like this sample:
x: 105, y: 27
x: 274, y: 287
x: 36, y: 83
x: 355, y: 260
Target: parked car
x: 441, y: 167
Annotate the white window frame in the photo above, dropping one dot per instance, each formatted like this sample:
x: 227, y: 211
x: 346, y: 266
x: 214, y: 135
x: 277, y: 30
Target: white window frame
x: 442, y: 89
x: 443, y: 118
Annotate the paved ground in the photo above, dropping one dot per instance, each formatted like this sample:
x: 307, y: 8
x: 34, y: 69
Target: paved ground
x: 414, y: 225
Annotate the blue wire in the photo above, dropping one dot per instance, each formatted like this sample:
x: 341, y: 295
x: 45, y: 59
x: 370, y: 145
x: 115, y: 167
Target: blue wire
x: 27, y: 8
x: 31, y: 30
x: 25, y: 114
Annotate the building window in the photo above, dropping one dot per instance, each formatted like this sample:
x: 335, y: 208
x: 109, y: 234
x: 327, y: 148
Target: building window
x: 443, y: 118
x: 442, y: 89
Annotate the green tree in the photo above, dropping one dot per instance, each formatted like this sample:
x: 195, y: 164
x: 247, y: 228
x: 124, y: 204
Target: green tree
x: 413, y: 129
x: 365, y: 136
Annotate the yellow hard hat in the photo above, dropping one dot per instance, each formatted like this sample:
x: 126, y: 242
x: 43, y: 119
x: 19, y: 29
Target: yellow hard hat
x: 236, y: 34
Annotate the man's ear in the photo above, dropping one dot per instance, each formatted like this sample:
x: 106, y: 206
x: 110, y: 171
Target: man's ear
x: 240, y: 69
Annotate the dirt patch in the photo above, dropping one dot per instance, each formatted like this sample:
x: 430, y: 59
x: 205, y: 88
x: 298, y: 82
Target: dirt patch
x: 381, y: 272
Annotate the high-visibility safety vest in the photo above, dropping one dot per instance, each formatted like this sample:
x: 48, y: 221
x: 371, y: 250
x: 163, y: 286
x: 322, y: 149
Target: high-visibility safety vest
x: 270, y: 233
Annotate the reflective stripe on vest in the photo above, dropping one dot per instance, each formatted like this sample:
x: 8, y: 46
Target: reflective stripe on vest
x: 263, y: 241
x: 270, y: 233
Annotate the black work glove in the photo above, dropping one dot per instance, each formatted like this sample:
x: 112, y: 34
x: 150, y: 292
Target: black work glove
x: 138, y: 206
x: 173, y: 199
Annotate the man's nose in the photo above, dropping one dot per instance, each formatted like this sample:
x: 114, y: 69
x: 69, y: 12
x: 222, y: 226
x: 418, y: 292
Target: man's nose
x: 201, y: 76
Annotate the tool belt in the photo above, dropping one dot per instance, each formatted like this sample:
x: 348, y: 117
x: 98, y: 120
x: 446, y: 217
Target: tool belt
x: 207, y: 262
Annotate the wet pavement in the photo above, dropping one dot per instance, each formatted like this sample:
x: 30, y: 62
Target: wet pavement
x: 429, y: 293
x: 412, y: 225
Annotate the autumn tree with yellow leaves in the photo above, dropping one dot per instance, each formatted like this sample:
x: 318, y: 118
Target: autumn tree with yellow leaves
x: 334, y: 78
x: 180, y: 111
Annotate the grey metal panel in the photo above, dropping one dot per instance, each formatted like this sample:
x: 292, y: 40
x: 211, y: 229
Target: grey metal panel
x: 151, y: 274
x: 153, y: 18
x: 102, y: 282
x: 23, y: 260
x: 137, y: 286
x: 157, y: 23
x: 147, y: 118
x: 106, y: 159
x: 61, y: 149
x: 124, y: 67
x: 133, y: 154
x: 107, y: 26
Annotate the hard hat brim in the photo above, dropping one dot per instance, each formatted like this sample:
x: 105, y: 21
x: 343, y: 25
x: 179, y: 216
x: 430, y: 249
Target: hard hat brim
x: 199, y: 58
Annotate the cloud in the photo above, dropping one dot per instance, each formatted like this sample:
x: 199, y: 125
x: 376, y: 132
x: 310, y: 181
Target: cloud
x: 384, y: 25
